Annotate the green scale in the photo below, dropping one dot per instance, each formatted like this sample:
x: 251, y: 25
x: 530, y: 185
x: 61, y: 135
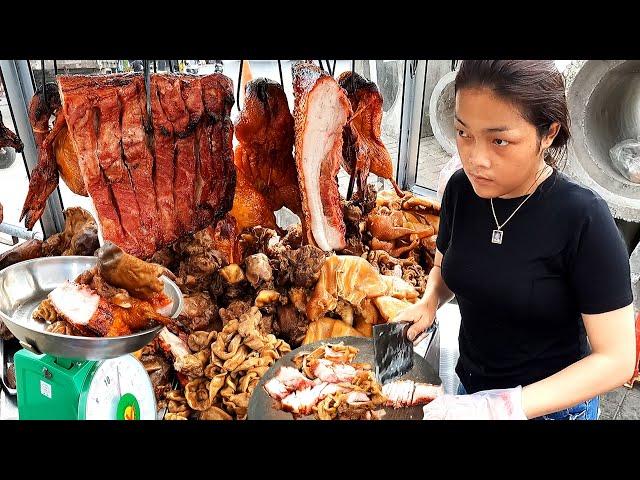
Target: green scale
x: 64, y: 377
x: 57, y: 388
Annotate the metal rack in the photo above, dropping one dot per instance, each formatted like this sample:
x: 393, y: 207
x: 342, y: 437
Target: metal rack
x: 19, y: 82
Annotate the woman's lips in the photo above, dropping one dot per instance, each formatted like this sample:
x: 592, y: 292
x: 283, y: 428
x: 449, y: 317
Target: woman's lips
x: 481, y: 179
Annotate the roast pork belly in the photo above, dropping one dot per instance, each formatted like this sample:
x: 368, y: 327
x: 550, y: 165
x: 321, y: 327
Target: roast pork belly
x: 93, y: 315
x: 152, y: 179
x: 321, y: 110
x: 406, y: 393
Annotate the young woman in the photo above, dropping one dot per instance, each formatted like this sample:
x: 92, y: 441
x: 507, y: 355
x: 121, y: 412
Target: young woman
x: 537, y: 265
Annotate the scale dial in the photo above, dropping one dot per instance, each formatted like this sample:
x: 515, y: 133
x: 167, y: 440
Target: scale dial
x: 120, y: 389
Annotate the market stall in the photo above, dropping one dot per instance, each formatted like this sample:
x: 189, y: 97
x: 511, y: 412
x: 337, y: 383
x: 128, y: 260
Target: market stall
x: 198, y: 301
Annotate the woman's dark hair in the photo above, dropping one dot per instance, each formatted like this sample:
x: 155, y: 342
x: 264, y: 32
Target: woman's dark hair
x: 535, y: 87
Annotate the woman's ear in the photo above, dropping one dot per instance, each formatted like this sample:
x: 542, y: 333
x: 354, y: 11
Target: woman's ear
x: 547, y: 140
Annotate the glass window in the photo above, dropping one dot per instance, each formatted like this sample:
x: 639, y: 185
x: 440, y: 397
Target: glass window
x: 14, y: 181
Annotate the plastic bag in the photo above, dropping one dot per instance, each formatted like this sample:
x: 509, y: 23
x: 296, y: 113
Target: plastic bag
x: 445, y: 174
x: 625, y: 157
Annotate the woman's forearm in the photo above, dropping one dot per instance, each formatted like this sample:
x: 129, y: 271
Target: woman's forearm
x: 591, y: 376
x: 612, y: 339
x: 437, y: 291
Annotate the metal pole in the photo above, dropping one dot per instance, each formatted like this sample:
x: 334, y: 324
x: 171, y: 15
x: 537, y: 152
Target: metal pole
x: 19, y: 232
x: 17, y: 78
x: 413, y: 88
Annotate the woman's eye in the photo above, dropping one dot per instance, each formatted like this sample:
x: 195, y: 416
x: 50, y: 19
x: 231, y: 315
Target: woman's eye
x: 461, y: 133
x: 500, y: 142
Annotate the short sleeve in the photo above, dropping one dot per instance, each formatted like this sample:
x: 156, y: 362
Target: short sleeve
x: 599, y: 269
x: 444, y: 232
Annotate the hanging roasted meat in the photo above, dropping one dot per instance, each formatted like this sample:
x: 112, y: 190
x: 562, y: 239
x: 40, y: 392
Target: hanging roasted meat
x: 8, y: 138
x: 321, y: 110
x: 151, y: 180
x: 266, y: 170
x: 56, y: 153
x: 362, y: 147
x: 44, y: 177
x: 44, y: 104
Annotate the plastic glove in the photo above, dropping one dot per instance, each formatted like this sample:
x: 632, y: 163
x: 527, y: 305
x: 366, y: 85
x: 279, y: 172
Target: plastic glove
x: 501, y: 404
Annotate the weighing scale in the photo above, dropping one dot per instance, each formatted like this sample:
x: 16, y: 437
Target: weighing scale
x: 63, y: 377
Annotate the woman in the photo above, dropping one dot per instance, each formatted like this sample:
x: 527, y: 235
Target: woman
x: 535, y: 261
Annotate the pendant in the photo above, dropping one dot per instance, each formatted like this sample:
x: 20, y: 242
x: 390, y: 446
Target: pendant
x: 496, y: 237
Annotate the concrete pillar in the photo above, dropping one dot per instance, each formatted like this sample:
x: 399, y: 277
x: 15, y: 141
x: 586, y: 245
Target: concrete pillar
x: 604, y: 104
x: 436, y: 69
x: 441, y: 110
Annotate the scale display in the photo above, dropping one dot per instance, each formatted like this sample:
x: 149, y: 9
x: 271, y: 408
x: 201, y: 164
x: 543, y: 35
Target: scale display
x: 119, y: 389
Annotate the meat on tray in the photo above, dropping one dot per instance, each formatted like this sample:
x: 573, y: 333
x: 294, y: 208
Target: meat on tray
x: 328, y: 384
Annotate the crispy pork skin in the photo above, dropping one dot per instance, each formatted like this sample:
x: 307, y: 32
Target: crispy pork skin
x: 321, y: 110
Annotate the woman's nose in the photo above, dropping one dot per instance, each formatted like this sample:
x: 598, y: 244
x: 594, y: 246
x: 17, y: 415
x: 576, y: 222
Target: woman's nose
x: 478, y: 156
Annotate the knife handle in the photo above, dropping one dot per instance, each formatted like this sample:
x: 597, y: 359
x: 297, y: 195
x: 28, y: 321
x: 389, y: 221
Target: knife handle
x: 424, y: 334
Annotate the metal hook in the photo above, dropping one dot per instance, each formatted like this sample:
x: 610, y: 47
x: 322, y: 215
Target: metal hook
x: 413, y: 68
x: 354, y: 172
x: 239, y: 81
x: 147, y: 86
x: 44, y: 81
x: 280, y: 70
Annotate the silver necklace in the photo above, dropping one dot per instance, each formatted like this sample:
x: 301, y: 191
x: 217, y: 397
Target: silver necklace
x: 498, y: 234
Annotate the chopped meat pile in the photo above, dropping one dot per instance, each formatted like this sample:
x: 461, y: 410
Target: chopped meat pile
x: 330, y: 385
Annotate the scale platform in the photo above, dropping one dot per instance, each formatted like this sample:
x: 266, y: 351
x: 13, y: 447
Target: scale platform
x: 73, y: 377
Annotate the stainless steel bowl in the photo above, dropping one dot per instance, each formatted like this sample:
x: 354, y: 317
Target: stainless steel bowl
x: 24, y: 285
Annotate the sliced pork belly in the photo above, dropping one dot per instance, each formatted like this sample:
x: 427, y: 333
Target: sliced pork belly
x: 276, y: 389
x: 405, y: 393
x: 293, y: 379
x: 302, y: 401
x: 424, y: 393
x: 333, y: 372
x: 355, y: 398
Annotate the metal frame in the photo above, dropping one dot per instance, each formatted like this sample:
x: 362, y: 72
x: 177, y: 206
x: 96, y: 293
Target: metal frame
x: 19, y: 84
x: 20, y: 88
x: 415, y: 81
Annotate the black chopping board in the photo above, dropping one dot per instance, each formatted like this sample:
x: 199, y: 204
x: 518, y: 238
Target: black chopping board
x: 263, y: 407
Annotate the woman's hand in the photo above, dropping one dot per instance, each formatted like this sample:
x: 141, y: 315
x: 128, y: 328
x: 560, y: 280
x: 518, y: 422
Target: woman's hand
x: 500, y: 404
x: 422, y: 314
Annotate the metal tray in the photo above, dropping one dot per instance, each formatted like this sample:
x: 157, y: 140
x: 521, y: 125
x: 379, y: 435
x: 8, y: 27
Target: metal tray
x: 24, y: 285
x: 262, y: 406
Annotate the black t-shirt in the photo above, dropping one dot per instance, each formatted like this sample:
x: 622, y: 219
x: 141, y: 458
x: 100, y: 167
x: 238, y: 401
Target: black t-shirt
x: 520, y: 301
